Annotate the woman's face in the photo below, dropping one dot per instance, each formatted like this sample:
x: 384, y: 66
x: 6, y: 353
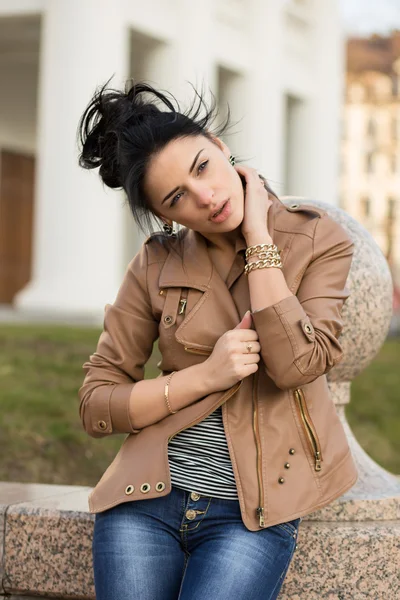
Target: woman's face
x: 188, y: 181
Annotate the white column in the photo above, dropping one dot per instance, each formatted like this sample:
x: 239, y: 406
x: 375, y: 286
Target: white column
x: 264, y: 116
x: 78, y: 241
x: 329, y: 70
x: 194, y: 50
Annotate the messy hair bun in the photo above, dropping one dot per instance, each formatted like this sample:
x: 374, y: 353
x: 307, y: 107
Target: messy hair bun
x: 119, y: 132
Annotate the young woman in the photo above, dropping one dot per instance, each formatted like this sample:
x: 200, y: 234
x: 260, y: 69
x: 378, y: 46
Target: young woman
x: 237, y: 438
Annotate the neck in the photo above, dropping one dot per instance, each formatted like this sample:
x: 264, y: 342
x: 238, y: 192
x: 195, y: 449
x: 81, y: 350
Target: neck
x: 223, y: 241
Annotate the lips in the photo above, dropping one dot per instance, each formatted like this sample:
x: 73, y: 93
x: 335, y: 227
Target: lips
x: 219, y: 209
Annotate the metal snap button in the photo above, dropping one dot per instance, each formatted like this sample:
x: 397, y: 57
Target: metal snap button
x: 168, y: 319
x: 287, y: 465
x: 190, y: 514
x: 194, y: 496
x: 129, y: 489
x: 145, y: 487
x: 160, y: 486
x: 291, y: 451
x: 308, y: 328
x: 281, y: 480
x: 102, y: 424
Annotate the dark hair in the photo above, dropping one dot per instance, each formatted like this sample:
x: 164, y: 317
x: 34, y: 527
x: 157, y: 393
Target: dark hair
x: 120, y: 131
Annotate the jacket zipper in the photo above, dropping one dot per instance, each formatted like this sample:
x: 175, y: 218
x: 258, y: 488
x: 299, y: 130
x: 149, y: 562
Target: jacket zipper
x: 260, y: 509
x: 309, y: 427
x: 182, y: 306
x: 225, y: 397
x: 197, y: 351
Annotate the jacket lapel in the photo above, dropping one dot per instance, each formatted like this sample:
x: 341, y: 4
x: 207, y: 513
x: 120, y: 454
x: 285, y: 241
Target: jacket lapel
x: 212, y: 309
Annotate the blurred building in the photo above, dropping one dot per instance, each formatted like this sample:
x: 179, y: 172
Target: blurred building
x: 64, y: 240
x: 370, y: 165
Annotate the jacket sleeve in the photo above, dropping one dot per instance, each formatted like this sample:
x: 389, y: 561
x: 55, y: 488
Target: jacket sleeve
x: 124, y: 347
x: 299, y: 335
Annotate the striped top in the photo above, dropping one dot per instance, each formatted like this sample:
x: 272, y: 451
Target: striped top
x: 199, y: 459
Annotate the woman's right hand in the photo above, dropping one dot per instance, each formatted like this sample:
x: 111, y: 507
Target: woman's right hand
x: 230, y: 360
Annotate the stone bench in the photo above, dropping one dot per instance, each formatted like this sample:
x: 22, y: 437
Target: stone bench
x: 46, y: 534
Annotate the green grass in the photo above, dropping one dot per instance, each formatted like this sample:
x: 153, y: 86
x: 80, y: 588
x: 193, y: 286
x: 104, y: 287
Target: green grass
x: 374, y: 411
x: 42, y: 438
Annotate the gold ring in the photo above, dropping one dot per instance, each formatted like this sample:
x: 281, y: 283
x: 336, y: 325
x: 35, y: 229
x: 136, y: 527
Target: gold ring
x: 249, y: 347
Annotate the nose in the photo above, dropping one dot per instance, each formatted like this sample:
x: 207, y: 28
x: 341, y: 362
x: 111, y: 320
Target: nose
x: 204, y: 196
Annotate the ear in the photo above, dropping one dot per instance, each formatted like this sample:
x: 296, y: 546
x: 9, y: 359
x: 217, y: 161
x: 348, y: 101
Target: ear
x: 221, y: 145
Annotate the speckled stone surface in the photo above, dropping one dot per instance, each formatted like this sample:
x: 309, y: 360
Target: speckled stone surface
x: 48, y: 553
x: 345, y: 561
x: 47, y: 541
x: 13, y: 493
x: 2, y: 526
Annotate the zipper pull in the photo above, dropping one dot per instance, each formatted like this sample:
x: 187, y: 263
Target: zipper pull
x: 260, y: 513
x: 317, y: 461
x: 182, y: 307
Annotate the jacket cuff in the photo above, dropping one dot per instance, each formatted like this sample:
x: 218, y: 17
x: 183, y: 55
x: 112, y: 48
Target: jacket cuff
x: 109, y: 409
x: 286, y: 336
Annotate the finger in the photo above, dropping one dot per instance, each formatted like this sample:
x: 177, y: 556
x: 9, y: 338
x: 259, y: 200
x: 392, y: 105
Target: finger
x: 246, y: 335
x: 250, y: 347
x: 251, y: 359
x: 246, y: 321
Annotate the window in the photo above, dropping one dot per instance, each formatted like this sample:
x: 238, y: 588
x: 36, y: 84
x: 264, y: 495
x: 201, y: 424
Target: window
x: 365, y: 205
x: 371, y: 128
x: 369, y: 162
x: 343, y: 128
x: 395, y: 86
x: 394, y: 128
x: 394, y: 163
x: 391, y: 209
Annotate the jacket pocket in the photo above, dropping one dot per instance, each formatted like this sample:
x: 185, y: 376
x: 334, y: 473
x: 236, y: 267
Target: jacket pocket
x: 290, y: 527
x: 309, y: 428
x: 201, y: 351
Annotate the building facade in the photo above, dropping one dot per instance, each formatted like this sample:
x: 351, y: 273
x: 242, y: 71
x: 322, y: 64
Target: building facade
x: 370, y: 151
x: 278, y: 63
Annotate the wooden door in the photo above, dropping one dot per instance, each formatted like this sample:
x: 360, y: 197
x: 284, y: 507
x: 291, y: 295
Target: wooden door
x: 16, y: 222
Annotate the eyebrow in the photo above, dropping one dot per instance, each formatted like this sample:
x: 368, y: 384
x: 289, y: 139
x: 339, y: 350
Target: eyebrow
x: 190, y: 170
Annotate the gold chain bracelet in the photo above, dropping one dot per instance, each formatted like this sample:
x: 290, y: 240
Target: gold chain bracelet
x: 264, y: 255
x: 166, y: 392
x: 261, y: 264
x: 250, y: 250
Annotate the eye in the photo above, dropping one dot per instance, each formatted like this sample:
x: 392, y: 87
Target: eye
x: 199, y: 170
x: 175, y: 199
x: 201, y: 165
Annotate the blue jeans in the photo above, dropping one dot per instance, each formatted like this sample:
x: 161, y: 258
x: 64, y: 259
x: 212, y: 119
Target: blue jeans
x: 156, y: 550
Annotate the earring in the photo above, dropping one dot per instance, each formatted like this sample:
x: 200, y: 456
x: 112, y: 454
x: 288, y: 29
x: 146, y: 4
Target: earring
x: 232, y: 160
x: 169, y: 229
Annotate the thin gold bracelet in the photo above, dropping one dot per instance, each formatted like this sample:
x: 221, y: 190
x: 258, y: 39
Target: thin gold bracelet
x: 166, y: 392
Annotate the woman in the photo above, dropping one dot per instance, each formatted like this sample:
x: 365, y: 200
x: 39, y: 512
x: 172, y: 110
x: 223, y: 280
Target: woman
x: 237, y: 438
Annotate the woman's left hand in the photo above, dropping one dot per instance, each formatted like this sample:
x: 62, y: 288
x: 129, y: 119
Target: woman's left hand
x: 256, y: 206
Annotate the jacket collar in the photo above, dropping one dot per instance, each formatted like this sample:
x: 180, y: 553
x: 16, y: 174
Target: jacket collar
x: 194, y: 269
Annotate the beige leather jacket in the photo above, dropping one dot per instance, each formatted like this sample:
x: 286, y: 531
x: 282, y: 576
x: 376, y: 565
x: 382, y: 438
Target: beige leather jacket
x: 289, y: 452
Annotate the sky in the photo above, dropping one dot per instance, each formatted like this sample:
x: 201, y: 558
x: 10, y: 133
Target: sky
x: 370, y: 16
